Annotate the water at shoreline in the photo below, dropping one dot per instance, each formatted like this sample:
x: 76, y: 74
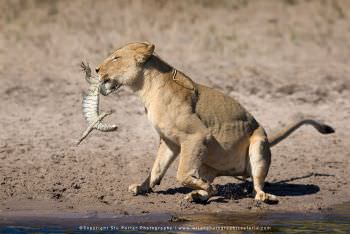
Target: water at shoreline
x: 335, y: 220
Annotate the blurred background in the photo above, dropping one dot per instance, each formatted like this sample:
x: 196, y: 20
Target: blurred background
x: 280, y: 58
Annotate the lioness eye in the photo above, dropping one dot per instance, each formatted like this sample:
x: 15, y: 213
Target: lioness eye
x: 115, y: 58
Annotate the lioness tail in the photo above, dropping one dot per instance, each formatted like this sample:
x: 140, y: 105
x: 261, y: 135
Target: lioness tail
x: 322, y: 128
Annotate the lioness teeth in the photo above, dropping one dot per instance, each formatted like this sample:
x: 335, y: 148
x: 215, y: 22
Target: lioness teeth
x: 91, y: 106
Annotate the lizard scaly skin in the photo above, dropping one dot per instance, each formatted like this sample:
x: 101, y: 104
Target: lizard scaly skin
x: 91, y: 106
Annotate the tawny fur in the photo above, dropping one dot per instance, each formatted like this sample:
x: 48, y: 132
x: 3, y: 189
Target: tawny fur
x: 211, y: 132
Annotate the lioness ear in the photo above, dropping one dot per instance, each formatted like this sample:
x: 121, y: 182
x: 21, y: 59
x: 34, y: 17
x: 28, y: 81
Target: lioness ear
x: 144, y: 52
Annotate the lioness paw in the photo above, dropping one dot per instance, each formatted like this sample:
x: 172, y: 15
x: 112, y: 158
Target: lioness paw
x: 197, y: 196
x: 266, y: 197
x: 137, y: 189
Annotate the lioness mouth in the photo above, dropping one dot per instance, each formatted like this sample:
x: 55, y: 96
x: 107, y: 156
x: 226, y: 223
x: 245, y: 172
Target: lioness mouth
x: 109, y: 87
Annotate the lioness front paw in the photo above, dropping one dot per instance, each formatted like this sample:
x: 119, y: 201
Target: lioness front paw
x: 138, y: 189
x: 198, y: 196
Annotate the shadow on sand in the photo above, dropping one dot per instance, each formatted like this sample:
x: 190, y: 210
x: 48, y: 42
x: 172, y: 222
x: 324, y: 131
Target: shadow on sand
x: 245, y: 189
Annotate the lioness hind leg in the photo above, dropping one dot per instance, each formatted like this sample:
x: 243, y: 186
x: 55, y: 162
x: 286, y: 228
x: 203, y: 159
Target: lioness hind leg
x: 207, y: 174
x: 259, y: 159
x: 193, y: 152
x: 167, y: 152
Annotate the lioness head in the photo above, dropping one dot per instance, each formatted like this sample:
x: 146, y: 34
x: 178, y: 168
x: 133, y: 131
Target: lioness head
x: 124, y: 66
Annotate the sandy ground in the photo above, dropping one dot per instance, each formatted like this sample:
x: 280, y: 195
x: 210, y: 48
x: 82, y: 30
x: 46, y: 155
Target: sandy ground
x: 280, y: 59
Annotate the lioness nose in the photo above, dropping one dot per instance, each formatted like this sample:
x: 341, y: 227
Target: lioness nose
x: 97, y: 69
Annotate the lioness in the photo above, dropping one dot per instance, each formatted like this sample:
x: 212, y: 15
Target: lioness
x: 211, y: 132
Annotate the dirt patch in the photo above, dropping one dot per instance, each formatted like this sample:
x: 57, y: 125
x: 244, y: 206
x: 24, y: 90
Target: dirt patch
x: 280, y: 59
